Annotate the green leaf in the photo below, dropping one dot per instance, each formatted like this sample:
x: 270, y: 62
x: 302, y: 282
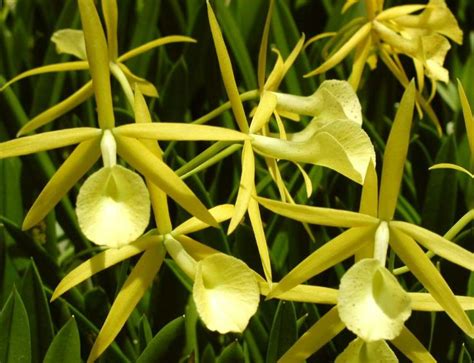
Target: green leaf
x: 163, y: 343
x: 439, y: 208
x: 284, y: 331
x: 174, y: 94
x: 37, y: 308
x: 231, y: 354
x: 66, y: 346
x: 145, y: 334
x: 15, y: 344
x: 208, y: 355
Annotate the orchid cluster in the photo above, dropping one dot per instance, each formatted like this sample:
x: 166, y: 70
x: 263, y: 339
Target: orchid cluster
x: 123, y: 204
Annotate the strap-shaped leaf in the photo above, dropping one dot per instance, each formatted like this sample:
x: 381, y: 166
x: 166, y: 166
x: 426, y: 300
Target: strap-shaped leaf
x: 58, y: 109
x: 66, y: 346
x: 58, y: 67
x: 360, y: 36
x: 395, y: 155
x: 220, y: 213
x: 321, y: 333
x: 74, y: 167
x: 150, y: 166
x: 179, y: 131
x: 246, y: 187
x: 98, y: 58
x: 424, y: 270
x: 317, y: 215
x: 109, y: 9
x: 439, y: 245
x: 227, y: 73
x: 412, y: 348
x: 103, y: 261
x: 131, y: 293
x: 46, y: 141
x: 328, y: 255
x: 153, y: 44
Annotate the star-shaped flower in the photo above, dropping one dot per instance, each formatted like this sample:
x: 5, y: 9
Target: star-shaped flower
x: 73, y: 42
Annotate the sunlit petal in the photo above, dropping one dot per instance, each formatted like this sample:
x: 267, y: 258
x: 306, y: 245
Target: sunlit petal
x: 226, y: 293
x: 70, y: 41
x: 371, y: 301
x: 113, y: 206
x: 359, y: 351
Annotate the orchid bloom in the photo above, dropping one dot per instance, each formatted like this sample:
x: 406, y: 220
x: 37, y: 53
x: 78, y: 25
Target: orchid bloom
x: 73, y: 42
x: 387, y: 33
x: 376, y: 214
x: 126, y: 139
x: 325, y: 146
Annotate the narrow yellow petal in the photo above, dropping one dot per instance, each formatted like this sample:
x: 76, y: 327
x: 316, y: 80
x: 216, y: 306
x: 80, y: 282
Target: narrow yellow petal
x: 98, y: 58
x: 452, y: 166
x: 153, y: 44
x: 395, y: 154
x: 425, y: 302
x: 317, y: 215
x: 361, y: 56
x: 369, y: 198
x: 58, y: 109
x: 361, y: 351
x: 110, y: 12
x: 68, y: 174
x: 159, y: 200
x: 397, y: 11
x: 265, y: 108
x: 131, y: 293
x: 46, y: 141
x: 321, y: 333
x: 70, y: 41
x: 307, y: 180
x: 328, y: 255
x: 142, y: 159
x: 58, y: 67
x: 196, y: 249
x: 221, y: 213
x: 147, y: 88
x: 246, y: 187
x: 179, y: 131
x: 360, y: 36
x: 262, y: 53
x: 412, y: 348
x: 437, y: 244
x: 259, y: 233
x: 468, y: 117
x: 227, y: 73
x: 306, y: 293
x: 424, y: 270
x: 103, y: 261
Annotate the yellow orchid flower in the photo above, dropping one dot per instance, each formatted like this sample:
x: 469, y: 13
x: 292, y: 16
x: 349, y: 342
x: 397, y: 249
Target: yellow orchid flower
x: 126, y: 139
x: 367, y: 291
x: 275, y: 148
x: 394, y: 31
x: 73, y: 42
x: 221, y: 281
x: 373, y: 229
